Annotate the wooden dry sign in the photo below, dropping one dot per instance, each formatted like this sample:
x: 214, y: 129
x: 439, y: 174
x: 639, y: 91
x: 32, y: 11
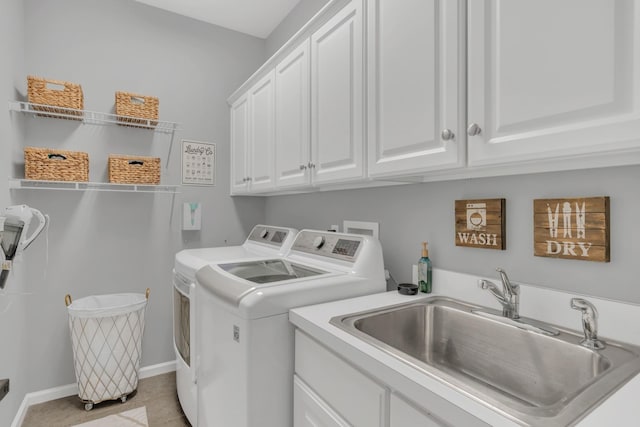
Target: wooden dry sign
x: 576, y: 228
x: 481, y: 223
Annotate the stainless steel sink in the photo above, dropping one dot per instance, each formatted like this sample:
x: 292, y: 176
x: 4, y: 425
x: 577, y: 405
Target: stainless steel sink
x: 534, y: 373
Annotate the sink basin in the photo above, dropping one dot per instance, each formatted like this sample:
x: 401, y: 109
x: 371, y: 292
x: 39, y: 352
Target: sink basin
x: 532, y: 372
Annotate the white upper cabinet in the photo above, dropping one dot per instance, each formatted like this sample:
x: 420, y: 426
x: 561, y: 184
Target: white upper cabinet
x: 552, y: 80
x: 253, y: 139
x: 239, y: 145
x: 262, y: 134
x: 293, y: 137
x: 433, y: 89
x: 414, y: 87
x: 337, y: 97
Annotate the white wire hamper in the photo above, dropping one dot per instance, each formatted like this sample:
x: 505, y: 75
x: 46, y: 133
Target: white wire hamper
x: 106, y: 334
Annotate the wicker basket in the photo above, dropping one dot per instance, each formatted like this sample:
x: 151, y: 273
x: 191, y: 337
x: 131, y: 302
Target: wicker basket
x: 134, y: 169
x: 49, y: 94
x: 55, y: 165
x: 136, y: 110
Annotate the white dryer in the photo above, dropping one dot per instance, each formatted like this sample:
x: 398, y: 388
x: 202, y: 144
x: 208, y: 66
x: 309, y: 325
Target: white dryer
x: 245, y: 350
x: 263, y: 241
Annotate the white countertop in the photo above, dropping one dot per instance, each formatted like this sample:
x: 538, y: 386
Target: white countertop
x: 544, y: 304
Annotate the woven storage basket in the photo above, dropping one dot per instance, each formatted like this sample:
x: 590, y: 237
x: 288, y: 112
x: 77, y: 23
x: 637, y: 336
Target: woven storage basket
x: 55, y: 93
x: 134, y: 169
x: 136, y: 110
x: 55, y: 165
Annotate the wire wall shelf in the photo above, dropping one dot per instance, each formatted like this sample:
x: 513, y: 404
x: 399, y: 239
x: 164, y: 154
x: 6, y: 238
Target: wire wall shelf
x: 30, y: 184
x: 92, y: 117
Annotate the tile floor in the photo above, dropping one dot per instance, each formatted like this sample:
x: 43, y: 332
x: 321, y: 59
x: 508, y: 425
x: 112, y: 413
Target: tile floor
x: 157, y: 393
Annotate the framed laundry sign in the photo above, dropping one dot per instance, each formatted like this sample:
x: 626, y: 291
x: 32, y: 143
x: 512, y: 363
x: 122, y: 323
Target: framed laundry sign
x: 572, y: 228
x: 481, y: 223
x: 198, y: 163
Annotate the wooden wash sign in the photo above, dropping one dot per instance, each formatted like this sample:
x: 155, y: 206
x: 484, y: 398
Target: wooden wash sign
x: 573, y: 228
x: 481, y: 223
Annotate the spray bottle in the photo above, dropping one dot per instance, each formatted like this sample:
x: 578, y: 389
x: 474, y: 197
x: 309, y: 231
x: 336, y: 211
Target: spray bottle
x: 424, y: 270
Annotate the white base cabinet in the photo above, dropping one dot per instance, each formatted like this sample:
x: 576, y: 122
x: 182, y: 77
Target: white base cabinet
x: 330, y: 392
x: 404, y: 414
x: 353, y: 396
x: 309, y: 410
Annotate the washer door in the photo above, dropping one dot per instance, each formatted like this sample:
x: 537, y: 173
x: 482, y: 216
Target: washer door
x: 182, y: 318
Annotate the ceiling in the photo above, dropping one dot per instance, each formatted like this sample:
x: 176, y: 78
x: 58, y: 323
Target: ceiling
x: 255, y: 17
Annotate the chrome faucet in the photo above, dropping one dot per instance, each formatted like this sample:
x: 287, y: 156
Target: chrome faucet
x: 509, y: 297
x: 589, y: 323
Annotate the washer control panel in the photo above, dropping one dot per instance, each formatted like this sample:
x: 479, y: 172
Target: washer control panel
x: 271, y: 235
x: 332, y: 245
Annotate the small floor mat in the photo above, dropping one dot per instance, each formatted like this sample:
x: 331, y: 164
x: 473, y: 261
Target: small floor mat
x: 133, y: 418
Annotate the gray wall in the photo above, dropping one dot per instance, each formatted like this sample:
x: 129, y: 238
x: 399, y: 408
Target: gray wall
x: 298, y: 16
x: 13, y: 304
x: 412, y: 213
x: 102, y: 242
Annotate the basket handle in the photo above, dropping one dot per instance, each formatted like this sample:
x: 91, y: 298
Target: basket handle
x: 57, y: 156
x: 137, y: 100
x: 136, y: 162
x: 67, y: 300
x: 54, y: 86
x: 146, y: 293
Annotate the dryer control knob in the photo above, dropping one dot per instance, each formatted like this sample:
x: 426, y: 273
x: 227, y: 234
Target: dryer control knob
x: 318, y: 242
x: 264, y: 234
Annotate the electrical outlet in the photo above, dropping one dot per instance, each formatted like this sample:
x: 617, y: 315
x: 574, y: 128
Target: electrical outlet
x: 4, y: 388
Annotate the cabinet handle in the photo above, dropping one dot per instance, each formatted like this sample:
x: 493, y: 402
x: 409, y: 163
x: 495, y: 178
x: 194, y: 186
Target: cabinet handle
x: 474, y: 129
x: 312, y: 165
x: 303, y: 167
x: 447, y: 135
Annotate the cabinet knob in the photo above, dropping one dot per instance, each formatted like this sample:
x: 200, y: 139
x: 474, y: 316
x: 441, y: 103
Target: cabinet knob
x: 312, y: 165
x: 249, y: 179
x: 244, y: 179
x: 474, y: 129
x: 447, y: 135
x: 303, y: 167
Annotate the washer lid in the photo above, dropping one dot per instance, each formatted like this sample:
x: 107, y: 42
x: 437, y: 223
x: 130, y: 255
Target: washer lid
x: 269, y: 271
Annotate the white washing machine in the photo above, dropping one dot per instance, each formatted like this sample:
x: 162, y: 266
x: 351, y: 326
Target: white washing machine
x: 245, y: 350
x: 263, y: 241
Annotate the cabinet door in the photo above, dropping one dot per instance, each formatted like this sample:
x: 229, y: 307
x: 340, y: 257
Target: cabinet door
x: 414, y: 87
x: 293, y: 137
x: 262, y: 134
x: 337, y: 97
x: 309, y: 410
x: 239, y: 145
x: 553, y: 80
x: 404, y: 414
x: 356, y: 397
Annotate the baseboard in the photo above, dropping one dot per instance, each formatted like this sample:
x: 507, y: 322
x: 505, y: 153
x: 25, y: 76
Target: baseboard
x: 159, y: 369
x: 70, y: 389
